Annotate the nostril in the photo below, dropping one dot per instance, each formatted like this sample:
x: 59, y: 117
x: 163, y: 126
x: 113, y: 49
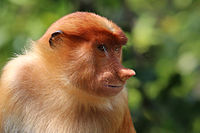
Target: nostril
x: 125, y: 73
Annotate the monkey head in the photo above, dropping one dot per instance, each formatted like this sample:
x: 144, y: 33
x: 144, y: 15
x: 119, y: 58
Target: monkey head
x: 87, y: 49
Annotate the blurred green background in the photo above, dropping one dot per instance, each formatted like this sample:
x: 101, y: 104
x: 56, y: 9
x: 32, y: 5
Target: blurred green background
x: 163, y: 49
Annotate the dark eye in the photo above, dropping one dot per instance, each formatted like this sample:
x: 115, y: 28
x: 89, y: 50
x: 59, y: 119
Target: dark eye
x: 102, y: 47
x: 117, y: 49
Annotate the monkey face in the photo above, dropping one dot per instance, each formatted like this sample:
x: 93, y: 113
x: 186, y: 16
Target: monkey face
x: 89, y: 48
x: 95, y: 66
x: 111, y: 76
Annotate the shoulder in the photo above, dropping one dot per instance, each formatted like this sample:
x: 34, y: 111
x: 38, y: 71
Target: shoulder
x: 17, y: 70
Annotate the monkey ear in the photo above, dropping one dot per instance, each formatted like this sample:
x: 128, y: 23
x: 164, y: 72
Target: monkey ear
x: 55, y: 37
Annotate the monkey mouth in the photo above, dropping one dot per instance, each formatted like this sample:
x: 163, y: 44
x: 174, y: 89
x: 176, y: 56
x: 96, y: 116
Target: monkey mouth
x: 112, y: 89
x: 114, y: 86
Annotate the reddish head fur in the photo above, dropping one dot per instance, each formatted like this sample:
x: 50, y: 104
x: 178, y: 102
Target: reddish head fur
x: 85, y: 25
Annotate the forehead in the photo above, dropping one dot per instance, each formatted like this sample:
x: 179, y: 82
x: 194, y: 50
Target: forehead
x: 105, y: 30
x: 109, y: 38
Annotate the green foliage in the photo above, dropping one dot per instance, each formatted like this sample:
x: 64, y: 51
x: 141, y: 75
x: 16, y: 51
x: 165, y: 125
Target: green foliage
x: 163, y: 48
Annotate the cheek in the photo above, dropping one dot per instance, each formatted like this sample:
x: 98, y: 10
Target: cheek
x: 80, y: 69
x: 104, y: 76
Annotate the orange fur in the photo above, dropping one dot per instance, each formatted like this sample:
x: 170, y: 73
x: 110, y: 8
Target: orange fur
x: 72, y: 87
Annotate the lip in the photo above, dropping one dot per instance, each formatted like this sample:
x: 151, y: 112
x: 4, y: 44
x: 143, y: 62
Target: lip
x: 112, y: 89
x: 113, y: 86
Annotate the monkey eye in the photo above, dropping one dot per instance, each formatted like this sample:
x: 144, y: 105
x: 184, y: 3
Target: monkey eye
x: 117, y: 49
x: 102, y: 47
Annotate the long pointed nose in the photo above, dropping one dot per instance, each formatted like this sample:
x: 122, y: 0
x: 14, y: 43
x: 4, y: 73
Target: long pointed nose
x: 125, y: 73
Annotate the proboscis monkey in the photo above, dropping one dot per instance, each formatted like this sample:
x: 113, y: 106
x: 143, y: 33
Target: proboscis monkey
x: 70, y: 81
